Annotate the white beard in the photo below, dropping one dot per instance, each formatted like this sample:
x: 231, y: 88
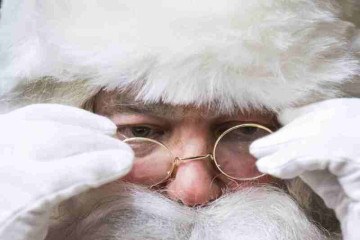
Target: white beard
x: 137, y: 213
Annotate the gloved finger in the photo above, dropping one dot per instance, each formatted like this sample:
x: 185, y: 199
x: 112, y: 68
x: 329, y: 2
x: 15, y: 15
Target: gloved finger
x: 62, y: 180
x: 87, y: 170
x: 351, y: 221
x: 308, y: 122
x: 276, y: 141
x: 295, y: 133
x: 327, y: 108
x: 290, y: 114
x: 65, y: 115
x: 326, y: 185
x: 27, y: 139
x: 65, y: 177
x: 288, y: 164
x: 347, y: 172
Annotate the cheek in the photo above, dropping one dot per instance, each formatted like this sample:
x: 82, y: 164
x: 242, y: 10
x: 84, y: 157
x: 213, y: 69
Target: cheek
x: 148, y: 173
x: 244, y: 167
x: 138, y: 174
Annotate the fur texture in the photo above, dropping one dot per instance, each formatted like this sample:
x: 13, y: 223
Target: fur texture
x: 231, y: 53
x: 133, y: 213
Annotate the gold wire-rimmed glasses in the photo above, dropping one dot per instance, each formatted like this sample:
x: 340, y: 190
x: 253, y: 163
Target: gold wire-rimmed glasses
x: 155, y: 163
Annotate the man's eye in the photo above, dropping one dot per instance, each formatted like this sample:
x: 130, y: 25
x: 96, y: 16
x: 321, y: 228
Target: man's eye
x: 245, y: 133
x: 248, y: 130
x: 140, y: 131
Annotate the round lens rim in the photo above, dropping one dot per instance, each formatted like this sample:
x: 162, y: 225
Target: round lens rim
x: 226, y: 132
x: 163, y: 145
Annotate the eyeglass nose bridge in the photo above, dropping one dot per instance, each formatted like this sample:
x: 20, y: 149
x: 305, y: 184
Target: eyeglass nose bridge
x: 179, y: 160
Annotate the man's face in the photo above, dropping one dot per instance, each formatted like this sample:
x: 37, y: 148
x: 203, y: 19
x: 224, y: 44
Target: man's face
x: 196, y: 201
x: 187, y: 132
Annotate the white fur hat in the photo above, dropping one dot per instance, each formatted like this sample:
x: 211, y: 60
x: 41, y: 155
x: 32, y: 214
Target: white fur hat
x: 234, y: 53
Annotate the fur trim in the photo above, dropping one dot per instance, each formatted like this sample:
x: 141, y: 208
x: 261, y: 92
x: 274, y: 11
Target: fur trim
x: 234, y: 53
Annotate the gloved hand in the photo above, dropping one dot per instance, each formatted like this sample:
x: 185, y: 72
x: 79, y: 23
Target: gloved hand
x: 49, y: 153
x: 321, y: 144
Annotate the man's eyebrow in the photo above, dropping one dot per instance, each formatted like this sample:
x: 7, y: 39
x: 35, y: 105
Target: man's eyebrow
x: 155, y: 110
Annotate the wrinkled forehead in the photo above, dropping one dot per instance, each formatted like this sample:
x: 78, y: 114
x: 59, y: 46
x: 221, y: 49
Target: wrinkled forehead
x: 116, y: 101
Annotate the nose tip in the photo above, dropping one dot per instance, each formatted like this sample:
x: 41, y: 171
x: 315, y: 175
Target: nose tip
x: 194, y: 198
x: 193, y: 184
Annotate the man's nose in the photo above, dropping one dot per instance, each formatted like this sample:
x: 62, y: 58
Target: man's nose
x: 194, y: 181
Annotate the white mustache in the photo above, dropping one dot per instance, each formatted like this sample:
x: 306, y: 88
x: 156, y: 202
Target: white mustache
x: 135, y: 213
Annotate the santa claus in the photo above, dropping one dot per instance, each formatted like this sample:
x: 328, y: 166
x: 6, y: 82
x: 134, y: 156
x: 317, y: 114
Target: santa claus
x: 230, y: 119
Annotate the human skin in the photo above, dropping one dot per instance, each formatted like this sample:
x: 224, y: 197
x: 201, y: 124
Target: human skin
x: 189, y: 131
x: 112, y: 212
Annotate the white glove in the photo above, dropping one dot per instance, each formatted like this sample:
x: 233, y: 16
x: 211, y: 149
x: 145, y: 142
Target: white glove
x: 49, y: 153
x: 321, y: 144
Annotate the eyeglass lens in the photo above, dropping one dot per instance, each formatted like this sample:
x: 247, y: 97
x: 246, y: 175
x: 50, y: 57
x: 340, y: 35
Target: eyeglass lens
x: 153, y: 161
x: 232, y: 155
